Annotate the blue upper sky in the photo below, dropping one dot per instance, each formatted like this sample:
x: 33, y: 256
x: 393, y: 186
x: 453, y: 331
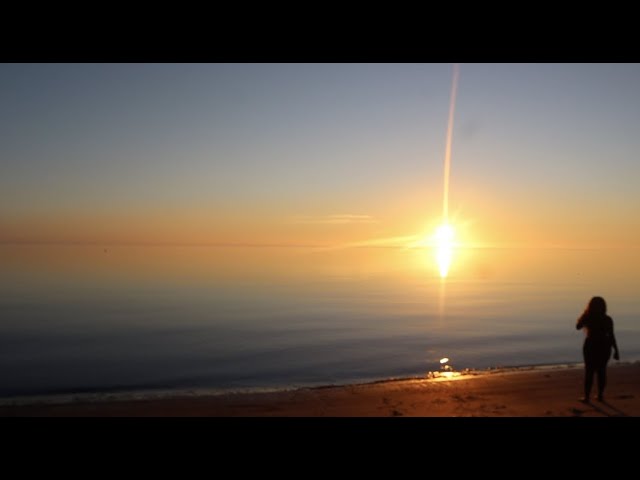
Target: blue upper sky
x: 317, y: 139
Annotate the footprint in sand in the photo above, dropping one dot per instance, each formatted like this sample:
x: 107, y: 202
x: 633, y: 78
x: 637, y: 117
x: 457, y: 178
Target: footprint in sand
x: 396, y: 413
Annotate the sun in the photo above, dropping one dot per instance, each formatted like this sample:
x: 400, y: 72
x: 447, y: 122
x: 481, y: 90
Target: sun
x: 444, y: 236
x: 443, y: 241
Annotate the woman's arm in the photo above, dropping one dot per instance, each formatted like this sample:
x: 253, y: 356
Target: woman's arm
x: 614, y: 344
x: 580, y: 323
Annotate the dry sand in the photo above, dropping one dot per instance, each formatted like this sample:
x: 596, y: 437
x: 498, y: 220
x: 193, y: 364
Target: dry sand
x: 537, y: 392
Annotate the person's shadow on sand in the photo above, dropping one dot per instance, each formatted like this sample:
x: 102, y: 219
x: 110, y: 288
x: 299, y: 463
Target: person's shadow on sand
x: 610, y: 411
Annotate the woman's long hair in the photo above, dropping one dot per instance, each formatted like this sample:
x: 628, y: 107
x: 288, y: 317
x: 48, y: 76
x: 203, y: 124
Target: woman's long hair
x: 596, y: 307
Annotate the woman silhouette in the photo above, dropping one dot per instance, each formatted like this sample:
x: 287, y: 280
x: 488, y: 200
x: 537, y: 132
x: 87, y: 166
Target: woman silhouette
x: 597, y: 345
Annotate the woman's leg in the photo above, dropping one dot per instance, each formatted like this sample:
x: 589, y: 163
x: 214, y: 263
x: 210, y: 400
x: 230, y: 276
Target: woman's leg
x: 589, y: 370
x: 601, y: 371
x: 588, y: 379
x: 602, y: 380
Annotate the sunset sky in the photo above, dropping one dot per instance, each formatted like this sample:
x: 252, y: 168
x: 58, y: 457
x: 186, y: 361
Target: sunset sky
x: 318, y: 154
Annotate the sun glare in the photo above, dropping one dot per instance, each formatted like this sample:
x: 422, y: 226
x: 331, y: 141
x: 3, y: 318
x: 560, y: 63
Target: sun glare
x: 443, y: 242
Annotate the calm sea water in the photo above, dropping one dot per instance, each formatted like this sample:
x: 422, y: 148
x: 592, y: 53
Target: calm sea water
x: 95, y: 318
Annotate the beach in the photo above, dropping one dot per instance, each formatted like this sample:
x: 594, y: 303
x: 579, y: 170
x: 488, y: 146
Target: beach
x: 551, y: 391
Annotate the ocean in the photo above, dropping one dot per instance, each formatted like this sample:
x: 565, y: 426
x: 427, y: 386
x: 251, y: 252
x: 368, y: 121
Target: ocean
x: 104, y: 318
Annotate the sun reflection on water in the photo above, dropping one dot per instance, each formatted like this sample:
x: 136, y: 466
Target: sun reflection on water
x: 446, y: 371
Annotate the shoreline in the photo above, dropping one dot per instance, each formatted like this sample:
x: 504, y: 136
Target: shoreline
x: 130, y: 394
x: 539, y: 390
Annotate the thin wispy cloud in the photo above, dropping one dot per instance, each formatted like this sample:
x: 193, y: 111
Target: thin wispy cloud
x: 404, y: 241
x: 397, y: 241
x: 335, y: 219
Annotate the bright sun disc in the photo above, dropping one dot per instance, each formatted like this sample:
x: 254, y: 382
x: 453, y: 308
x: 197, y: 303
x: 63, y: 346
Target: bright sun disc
x: 444, y: 236
x: 443, y: 240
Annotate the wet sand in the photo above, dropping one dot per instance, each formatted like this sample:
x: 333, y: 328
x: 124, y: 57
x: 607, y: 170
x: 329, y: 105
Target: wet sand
x: 534, y: 392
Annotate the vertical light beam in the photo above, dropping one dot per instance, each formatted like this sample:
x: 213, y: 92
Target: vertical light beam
x: 447, y: 153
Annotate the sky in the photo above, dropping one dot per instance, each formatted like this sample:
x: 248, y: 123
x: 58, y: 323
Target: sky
x: 318, y: 154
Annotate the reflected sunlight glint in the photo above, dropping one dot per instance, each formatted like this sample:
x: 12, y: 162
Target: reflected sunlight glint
x: 446, y: 371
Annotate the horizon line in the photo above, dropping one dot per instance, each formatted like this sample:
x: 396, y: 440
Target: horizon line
x: 487, y: 246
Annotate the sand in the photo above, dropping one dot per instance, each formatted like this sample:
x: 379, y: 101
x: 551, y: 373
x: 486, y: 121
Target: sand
x: 532, y: 392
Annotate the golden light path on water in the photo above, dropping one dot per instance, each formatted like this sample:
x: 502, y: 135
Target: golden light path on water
x: 443, y: 241
x: 444, y: 237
